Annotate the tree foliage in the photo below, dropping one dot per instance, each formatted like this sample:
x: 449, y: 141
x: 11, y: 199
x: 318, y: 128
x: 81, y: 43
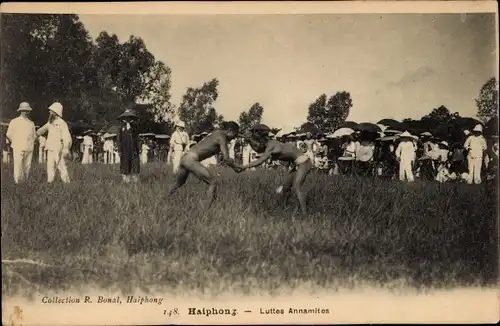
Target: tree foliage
x: 47, y: 58
x: 327, y: 114
x: 487, y: 101
x: 252, y: 117
x: 197, y: 107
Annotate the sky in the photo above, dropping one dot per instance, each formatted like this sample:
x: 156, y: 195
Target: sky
x: 393, y: 65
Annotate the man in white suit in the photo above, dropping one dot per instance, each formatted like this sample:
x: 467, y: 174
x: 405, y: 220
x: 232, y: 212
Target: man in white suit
x: 178, y: 145
x: 58, y: 143
x: 21, y: 135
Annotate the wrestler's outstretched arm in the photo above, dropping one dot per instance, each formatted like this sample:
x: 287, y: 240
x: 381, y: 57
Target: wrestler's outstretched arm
x: 262, y: 158
x: 225, y: 154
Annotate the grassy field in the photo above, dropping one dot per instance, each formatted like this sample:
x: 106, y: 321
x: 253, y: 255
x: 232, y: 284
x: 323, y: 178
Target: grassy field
x: 97, y: 231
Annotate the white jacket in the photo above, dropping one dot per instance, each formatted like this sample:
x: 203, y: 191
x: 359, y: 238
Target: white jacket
x: 59, y: 137
x: 476, y: 146
x: 88, y: 142
x: 406, y: 151
x: 179, y: 140
x: 21, y: 134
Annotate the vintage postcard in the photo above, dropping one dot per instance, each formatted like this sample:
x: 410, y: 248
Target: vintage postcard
x: 249, y: 163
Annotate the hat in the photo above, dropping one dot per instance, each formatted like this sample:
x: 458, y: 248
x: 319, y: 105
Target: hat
x: 428, y: 134
x: 406, y: 134
x: 261, y: 127
x: 128, y: 113
x: 57, y: 108
x: 444, y: 143
x: 391, y: 131
x: 180, y: 124
x: 478, y: 128
x: 24, y: 107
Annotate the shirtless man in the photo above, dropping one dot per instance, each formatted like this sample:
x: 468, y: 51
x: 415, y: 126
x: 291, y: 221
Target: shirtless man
x: 286, y: 152
x: 211, y: 145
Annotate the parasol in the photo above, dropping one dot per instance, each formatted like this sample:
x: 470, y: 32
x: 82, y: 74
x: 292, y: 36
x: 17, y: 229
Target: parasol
x: 108, y: 135
x: 349, y: 124
x: 367, y: 126
x: 388, y: 138
x: 341, y: 132
x: 148, y: 134
x: 466, y: 123
x: 114, y: 129
x: 391, y: 124
x: 162, y: 136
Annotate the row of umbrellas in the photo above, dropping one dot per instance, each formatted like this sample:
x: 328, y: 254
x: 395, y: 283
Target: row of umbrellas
x: 391, y: 127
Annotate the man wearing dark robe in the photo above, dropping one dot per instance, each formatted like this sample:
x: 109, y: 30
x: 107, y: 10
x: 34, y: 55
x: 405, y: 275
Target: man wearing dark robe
x: 128, y: 146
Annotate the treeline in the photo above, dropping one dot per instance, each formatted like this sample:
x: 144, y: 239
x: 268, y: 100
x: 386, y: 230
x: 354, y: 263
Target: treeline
x: 47, y: 58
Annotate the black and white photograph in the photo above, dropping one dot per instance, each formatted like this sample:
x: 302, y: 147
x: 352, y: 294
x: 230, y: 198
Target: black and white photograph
x: 174, y: 166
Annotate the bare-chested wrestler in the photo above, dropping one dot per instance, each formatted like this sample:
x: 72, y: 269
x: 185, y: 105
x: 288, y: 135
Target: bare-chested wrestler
x: 211, y: 145
x: 286, y: 152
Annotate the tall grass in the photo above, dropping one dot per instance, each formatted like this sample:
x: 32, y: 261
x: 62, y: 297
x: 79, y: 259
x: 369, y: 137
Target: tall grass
x: 99, y: 231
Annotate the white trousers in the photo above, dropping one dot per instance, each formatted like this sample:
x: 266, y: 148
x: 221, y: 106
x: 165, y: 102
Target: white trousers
x: 6, y: 157
x: 87, y: 155
x: 176, y: 160
x: 406, y: 170
x: 42, y: 155
x: 144, y: 157
x: 475, y: 164
x: 22, y: 165
x: 55, y: 161
x: 108, y: 157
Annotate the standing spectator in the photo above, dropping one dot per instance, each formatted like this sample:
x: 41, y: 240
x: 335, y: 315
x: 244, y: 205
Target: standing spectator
x: 21, y: 135
x: 108, y: 148
x: 5, y: 151
x: 144, y: 152
x: 128, y: 146
x: 42, y: 153
x: 88, y: 147
x: 232, y: 145
x: 178, y: 145
x: 405, y: 153
x: 429, y: 155
x: 58, y: 143
x: 476, y: 146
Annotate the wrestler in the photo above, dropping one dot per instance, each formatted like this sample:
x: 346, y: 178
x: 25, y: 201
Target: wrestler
x: 213, y: 144
x: 260, y: 141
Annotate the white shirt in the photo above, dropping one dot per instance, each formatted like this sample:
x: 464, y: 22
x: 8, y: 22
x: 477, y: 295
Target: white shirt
x: 365, y: 151
x: 247, y: 150
x: 21, y: 134
x: 443, y: 154
x: 476, y: 145
x: 144, y: 148
x: 406, y: 151
x: 59, y: 137
x: 350, y: 149
x: 108, y: 145
x: 88, y: 141
x: 179, y: 140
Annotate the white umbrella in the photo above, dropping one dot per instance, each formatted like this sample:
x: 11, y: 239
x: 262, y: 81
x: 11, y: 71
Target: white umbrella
x: 279, y: 134
x: 382, y: 127
x: 388, y: 138
x: 108, y: 135
x: 342, y: 132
